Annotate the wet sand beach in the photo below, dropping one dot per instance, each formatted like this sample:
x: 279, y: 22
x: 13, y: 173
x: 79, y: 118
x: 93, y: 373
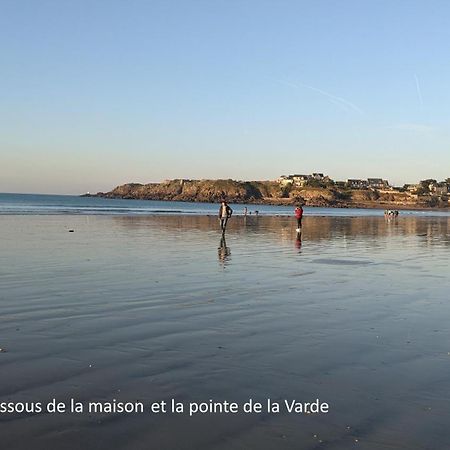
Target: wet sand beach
x: 150, y: 308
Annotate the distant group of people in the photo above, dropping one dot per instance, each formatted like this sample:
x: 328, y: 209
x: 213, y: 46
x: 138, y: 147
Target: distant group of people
x: 225, y: 212
x: 246, y: 211
x: 391, y: 213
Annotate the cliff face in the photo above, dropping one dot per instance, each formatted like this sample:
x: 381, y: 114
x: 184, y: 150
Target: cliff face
x: 267, y: 192
x: 196, y: 191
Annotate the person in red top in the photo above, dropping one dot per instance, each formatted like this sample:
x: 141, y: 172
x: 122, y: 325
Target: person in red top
x: 299, y: 215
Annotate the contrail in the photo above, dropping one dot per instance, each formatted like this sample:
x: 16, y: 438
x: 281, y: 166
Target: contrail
x: 347, y: 105
x: 419, y: 92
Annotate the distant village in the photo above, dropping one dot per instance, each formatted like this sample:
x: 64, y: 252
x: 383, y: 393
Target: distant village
x: 424, y: 187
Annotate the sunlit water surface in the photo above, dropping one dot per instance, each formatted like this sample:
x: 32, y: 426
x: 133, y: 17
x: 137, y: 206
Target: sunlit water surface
x: 149, y: 308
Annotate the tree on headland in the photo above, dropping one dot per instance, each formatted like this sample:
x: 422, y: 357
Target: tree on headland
x: 433, y: 201
x: 316, y: 183
x: 424, y: 186
x: 426, y: 183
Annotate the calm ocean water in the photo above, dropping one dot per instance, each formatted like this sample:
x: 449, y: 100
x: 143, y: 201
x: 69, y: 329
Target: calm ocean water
x: 37, y: 204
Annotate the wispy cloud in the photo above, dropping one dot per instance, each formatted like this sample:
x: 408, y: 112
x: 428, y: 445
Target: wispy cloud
x: 419, y: 91
x: 414, y: 127
x: 336, y: 100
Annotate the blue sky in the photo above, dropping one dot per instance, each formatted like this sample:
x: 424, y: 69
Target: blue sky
x: 98, y: 93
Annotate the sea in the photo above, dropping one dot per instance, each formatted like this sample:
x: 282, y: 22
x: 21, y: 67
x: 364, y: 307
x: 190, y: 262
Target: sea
x: 38, y: 204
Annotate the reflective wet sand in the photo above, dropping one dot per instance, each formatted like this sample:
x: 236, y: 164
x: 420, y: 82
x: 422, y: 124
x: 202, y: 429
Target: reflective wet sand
x: 149, y: 308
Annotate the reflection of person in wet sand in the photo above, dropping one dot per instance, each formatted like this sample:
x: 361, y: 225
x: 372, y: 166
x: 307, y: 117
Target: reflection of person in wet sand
x: 225, y: 213
x: 223, y: 251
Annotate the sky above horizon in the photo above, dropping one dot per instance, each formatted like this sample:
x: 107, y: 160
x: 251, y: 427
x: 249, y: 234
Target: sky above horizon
x: 99, y: 93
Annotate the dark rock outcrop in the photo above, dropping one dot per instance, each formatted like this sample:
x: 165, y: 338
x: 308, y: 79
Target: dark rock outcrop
x: 268, y: 192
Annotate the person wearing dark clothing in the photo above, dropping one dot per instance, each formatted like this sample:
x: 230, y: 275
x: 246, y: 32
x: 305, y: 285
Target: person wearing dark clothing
x: 225, y: 213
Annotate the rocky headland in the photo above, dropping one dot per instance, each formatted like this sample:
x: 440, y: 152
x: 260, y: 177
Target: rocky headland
x: 272, y: 192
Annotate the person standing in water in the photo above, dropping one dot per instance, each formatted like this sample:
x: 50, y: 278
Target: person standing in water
x: 225, y: 213
x: 299, y: 215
